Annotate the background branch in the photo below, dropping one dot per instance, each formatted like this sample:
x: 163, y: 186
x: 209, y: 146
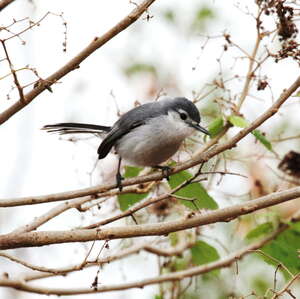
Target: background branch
x: 75, y: 62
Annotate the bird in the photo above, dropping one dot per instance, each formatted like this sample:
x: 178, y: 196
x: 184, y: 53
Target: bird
x: 146, y: 136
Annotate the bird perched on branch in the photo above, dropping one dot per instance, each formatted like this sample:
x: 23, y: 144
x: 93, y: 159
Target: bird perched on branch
x: 147, y: 135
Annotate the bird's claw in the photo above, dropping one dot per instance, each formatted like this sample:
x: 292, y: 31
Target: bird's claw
x: 166, y: 171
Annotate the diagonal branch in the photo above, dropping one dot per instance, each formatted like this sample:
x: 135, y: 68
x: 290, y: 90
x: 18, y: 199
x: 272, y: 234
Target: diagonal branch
x: 197, y: 159
x: 74, y: 63
x: 4, y: 3
x: 41, y: 238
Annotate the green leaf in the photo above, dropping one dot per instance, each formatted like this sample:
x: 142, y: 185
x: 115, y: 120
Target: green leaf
x: 261, y: 138
x: 131, y: 171
x: 295, y: 226
x: 260, y: 286
x: 260, y: 230
x: 129, y: 199
x: 203, y: 253
x: 192, y: 191
x: 238, y: 121
x: 285, y: 249
x: 216, y: 126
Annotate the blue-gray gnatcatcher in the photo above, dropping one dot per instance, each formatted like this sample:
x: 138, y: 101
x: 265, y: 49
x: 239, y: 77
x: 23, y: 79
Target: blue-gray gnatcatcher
x: 147, y: 135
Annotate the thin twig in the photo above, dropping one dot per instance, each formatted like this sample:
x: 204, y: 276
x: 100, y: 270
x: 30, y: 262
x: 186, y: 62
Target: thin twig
x: 74, y: 63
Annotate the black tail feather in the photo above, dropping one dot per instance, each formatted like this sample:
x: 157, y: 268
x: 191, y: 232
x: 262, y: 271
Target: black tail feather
x: 74, y: 128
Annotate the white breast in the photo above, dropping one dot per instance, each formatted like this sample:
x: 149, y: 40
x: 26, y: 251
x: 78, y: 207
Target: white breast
x: 155, y: 142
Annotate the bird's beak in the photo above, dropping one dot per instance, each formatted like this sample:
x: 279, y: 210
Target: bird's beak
x: 199, y: 128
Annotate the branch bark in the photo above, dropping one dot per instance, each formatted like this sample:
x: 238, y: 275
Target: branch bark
x: 175, y: 276
x: 75, y: 62
x: 41, y: 238
x: 4, y: 3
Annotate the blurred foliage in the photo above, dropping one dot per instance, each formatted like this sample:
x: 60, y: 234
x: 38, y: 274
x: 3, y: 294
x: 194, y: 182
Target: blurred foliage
x: 180, y: 263
x: 195, y: 191
x: 169, y: 15
x: 259, y: 285
x: 137, y: 68
x: 129, y: 199
x: 260, y: 230
x: 202, y: 16
x: 173, y: 237
x: 285, y: 250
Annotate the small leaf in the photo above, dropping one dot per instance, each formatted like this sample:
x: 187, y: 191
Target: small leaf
x: 131, y: 171
x: 129, y: 199
x: 260, y: 230
x: 238, y: 121
x: 285, y: 249
x: 203, y: 253
x: 261, y: 138
x: 193, y: 191
x: 216, y: 126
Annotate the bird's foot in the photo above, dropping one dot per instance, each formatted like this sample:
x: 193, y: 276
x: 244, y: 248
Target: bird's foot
x: 119, y: 179
x: 166, y: 170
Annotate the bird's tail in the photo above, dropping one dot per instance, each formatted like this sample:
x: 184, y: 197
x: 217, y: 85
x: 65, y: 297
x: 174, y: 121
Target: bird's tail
x: 74, y: 128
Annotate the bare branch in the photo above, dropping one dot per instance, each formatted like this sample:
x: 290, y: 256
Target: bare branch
x: 40, y: 238
x: 175, y: 276
x: 16, y: 80
x: 4, y: 3
x: 75, y: 62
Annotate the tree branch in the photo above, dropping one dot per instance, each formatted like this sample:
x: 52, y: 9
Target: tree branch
x: 4, y: 3
x: 75, y: 62
x: 175, y: 276
x: 41, y: 238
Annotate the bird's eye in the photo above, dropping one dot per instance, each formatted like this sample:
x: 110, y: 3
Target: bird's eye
x: 183, y: 116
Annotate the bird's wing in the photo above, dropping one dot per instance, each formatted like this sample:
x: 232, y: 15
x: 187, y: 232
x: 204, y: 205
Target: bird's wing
x: 127, y: 122
x: 114, y: 135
